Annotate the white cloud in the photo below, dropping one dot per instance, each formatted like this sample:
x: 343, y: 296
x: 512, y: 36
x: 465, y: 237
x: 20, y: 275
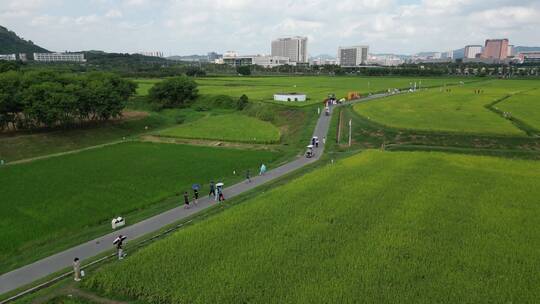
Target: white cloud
x: 114, y: 13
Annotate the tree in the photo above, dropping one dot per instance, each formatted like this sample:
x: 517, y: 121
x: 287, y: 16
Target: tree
x: 174, y: 92
x: 244, y: 70
x: 50, y: 99
x: 195, y: 72
x: 242, y: 102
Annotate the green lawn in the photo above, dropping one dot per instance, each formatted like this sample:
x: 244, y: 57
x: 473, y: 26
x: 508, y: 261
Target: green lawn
x: 524, y: 106
x: 25, y: 145
x: 378, y: 227
x: 460, y: 110
x: 317, y: 88
x: 228, y: 127
x: 61, y: 201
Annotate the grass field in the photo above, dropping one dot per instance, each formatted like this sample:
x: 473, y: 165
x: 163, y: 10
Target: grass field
x: 228, y: 127
x: 524, y: 106
x: 56, y: 202
x: 460, y: 110
x: 378, y: 227
x: 317, y: 88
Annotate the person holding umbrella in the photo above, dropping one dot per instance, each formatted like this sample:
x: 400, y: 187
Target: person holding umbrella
x: 220, y: 195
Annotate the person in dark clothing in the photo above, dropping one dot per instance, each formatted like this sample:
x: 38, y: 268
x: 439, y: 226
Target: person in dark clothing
x: 248, y: 176
x: 195, y: 196
x: 119, y: 242
x: 212, y: 189
x: 220, y: 195
x: 186, y: 200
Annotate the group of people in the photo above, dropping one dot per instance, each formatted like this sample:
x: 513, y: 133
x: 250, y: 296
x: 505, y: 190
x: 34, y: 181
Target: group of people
x: 216, y: 192
x: 478, y: 91
x: 119, y: 245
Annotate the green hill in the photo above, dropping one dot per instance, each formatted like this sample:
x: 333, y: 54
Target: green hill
x: 11, y: 43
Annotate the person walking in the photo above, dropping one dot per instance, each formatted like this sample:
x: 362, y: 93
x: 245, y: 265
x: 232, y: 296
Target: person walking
x: 119, y: 242
x: 324, y: 140
x: 77, y: 269
x: 186, y: 200
x: 248, y: 176
x: 316, y: 143
x: 221, y: 197
x: 212, y: 189
x: 195, y: 196
x: 262, y: 170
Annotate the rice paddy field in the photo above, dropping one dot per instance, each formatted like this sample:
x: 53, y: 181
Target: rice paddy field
x: 524, y: 106
x: 459, y: 110
x: 377, y: 227
x: 57, y: 202
x: 317, y: 88
x: 227, y: 127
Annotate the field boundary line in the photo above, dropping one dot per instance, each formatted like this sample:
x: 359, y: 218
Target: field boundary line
x: 520, y: 124
x: 27, y: 160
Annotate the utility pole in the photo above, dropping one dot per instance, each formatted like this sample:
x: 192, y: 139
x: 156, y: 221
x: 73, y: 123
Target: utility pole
x: 350, y: 131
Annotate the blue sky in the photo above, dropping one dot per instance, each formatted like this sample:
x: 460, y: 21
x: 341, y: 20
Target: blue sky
x: 247, y: 26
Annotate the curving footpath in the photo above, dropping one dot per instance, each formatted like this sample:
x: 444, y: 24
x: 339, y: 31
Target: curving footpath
x: 27, y: 274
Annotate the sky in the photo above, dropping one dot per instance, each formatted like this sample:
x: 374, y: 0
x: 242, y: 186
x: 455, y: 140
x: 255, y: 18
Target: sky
x: 183, y: 27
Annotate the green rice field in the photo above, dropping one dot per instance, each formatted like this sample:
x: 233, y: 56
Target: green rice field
x: 227, y: 127
x: 524, y: 106
x: 55, y: 202
x: 317, y: 88
x: 377, y: 227
x: 459, y: 110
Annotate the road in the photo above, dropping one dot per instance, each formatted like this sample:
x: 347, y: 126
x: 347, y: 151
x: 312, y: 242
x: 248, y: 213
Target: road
x: 44, y: 267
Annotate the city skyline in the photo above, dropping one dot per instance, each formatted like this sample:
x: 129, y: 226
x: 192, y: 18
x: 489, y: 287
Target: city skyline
x: 188, y: 27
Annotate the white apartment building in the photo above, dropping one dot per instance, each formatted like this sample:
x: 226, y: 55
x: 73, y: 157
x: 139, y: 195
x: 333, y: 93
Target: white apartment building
x: 295, y: 48
x: 59, y: 57
x: 262, y: 60
x: 471, y: 51
x: 353, y: 55
x: 8, y: 57
x: 151, y: 54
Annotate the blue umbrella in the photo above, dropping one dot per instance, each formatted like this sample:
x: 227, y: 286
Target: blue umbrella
x: 195, y: 186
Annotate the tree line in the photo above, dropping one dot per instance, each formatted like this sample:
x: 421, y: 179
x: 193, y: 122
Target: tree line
x: 37, y: 99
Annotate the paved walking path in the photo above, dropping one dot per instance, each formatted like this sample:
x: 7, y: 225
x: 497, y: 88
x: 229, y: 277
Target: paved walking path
x: 40, y: 269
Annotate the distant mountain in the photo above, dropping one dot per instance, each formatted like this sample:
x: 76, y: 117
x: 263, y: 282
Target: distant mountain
x: 519, y: 49
x: 10, y: 43
x: 118, y: 59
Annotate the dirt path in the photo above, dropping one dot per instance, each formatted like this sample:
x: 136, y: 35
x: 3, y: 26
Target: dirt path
x: 202, y: 142
x: 27, y: 160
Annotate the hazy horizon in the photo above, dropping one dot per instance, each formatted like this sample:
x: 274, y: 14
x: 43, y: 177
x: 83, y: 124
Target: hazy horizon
x: 197, y: 27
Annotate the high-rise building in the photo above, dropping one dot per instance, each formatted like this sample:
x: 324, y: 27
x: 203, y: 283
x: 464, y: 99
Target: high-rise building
x: 510, y: 51
x: 472, y: 51
x: 353, y: 56
x: 496, y: 49
x: 212, y: 56
x: 295, y: 48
